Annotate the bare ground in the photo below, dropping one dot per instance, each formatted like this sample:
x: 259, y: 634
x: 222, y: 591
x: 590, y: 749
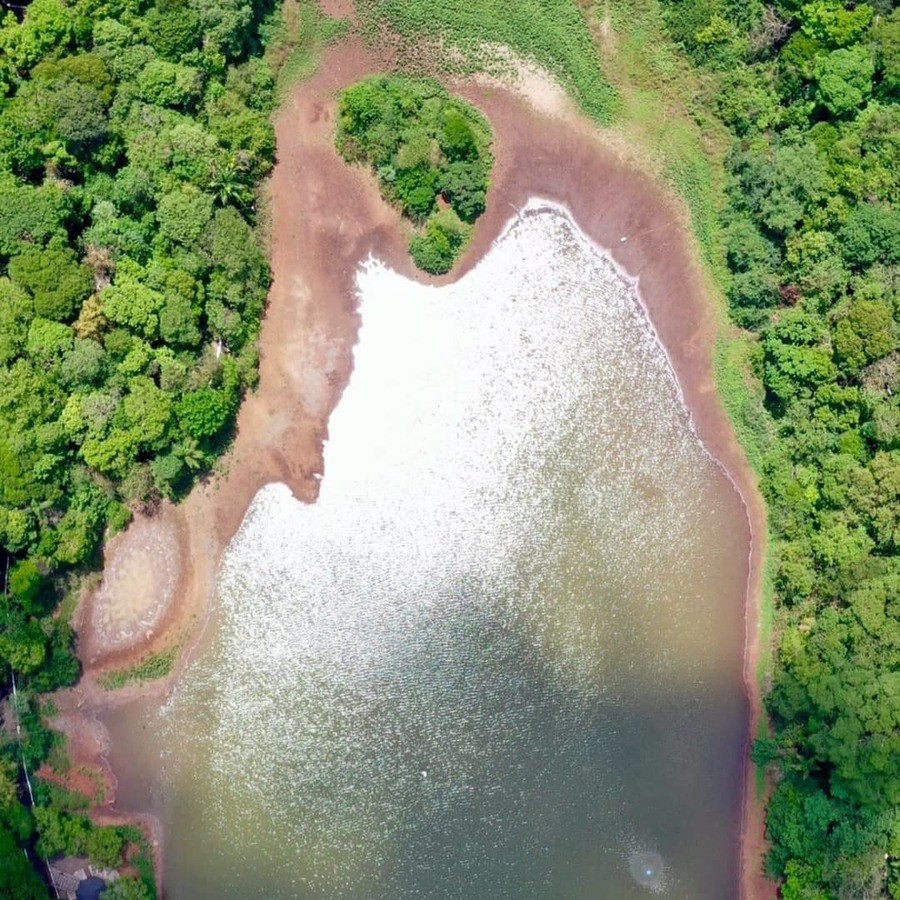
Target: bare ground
x: 325, y: 217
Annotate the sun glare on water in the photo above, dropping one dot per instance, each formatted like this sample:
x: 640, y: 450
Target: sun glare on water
x: 472, y: 669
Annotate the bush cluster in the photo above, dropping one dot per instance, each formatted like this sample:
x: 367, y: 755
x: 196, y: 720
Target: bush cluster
x: 431, y: 154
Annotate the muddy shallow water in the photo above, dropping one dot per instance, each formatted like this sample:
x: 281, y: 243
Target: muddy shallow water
x: 501, y: 656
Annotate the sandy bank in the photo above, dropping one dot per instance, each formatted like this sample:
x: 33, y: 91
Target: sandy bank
x: 325, y: 217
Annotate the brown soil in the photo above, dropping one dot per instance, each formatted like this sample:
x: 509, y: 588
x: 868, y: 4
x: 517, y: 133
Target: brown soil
x: 326, y: 216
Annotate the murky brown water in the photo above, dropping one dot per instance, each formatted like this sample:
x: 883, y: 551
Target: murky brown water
x: 500, y: 658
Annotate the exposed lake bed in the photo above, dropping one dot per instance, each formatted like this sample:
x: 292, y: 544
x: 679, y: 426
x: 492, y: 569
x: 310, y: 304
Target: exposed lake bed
x: 501, y: 654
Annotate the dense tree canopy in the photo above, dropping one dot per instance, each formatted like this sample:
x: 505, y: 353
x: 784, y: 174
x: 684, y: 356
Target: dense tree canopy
x: 132, y: 283
x: 428, y: 150
x: 130, y: 278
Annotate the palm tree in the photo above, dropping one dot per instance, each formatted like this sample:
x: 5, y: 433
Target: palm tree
x: 227, y: 183
x: 189, y: 452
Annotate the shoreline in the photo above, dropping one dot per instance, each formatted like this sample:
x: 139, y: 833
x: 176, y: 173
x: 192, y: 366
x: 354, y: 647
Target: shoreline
x: 325, y: 218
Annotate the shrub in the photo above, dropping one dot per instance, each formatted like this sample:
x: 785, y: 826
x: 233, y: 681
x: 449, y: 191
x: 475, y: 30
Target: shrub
x: 436, y: 250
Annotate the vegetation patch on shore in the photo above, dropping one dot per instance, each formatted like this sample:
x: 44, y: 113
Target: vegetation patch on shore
x: 459, y: 35
x: 794, y: 115
x: 133, y: 277
x: 151, y: 668
x: 430, y: 153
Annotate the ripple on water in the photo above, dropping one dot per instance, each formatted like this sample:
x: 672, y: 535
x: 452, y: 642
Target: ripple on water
x: 448, y: 676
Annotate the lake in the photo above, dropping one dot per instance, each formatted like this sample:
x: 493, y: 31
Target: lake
x: 500, y: 658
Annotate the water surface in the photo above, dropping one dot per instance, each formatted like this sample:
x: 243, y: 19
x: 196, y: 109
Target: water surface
x: 500, y: 657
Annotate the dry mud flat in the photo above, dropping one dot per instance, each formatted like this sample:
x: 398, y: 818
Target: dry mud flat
x: 325, y: 218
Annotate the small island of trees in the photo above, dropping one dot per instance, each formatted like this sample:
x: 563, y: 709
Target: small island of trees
x: 431, y: 154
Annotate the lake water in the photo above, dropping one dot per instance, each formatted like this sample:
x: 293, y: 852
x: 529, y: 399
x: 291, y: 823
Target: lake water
x: 500, y: 658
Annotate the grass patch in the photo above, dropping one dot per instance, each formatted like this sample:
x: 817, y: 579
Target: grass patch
x: 664, y: 115
x: 461, y: 36
x: 298, y: 36
x: 151, y: 668
x: 742, y: 396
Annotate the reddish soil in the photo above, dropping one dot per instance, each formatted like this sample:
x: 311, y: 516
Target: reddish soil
x: 325, y: 217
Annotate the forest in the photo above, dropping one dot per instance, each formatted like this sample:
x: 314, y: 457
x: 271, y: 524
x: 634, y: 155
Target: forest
x: 132, y: 284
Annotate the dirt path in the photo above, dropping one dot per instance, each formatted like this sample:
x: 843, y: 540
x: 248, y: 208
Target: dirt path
x: 325, y: 218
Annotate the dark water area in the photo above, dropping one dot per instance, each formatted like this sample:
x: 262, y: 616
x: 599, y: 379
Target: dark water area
x: 501, y: 656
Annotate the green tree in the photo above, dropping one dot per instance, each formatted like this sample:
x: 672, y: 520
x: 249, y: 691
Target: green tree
x: 131, y: 303
x: 178, y: 322
x: 168, y: 471
x: 146, y: 410
x: 436, y: 250
x: 79, y: 115
x: 30, y: 215
x: 60, y: 833
x: 18, y: 881
x: 871, y: 233
x: 23, y: 645
x: 172, y: 29
x: 844, y: 80
x: 83, y: 364
x: 457, y: 137
x: 864, y: 334
x: 104, y: 846
x: 886, y: 37
x: 183, y: 215
x: 247, y: 133
x: 227, y: 185
x: 48, y: 339
x: 55, y: 279
x: 224, y: 25
x: 464, y: 184
x: 203, y: 413
x: 169, y: 84
x: 127, y: 889
x: 16, y: 313
x: 783, y: 185
x: 25, y: 583
x: 48, y: 25
x: 831, y: 24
